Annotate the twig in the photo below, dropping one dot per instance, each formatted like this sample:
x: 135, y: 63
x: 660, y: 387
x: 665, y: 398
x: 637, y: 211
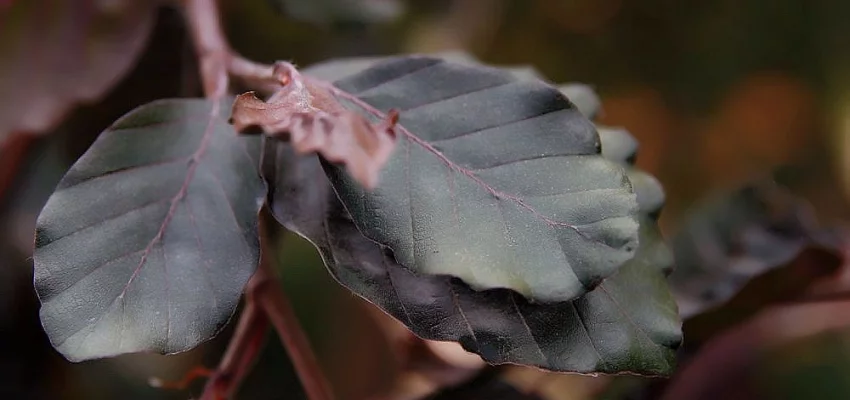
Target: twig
x: 266, y: 303
x: 259, y: 76
x: 272, y: 299
x: 210, y: 45
x: 217, y: 60
x: 243, y: 349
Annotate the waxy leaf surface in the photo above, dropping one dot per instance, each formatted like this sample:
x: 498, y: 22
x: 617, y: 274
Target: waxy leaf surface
x: 149, y: 239
x: 495, y: 180
x: 629, y: 323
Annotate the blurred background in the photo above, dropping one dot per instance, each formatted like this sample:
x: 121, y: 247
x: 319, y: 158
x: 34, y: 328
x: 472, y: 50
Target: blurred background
x: 721, y: 94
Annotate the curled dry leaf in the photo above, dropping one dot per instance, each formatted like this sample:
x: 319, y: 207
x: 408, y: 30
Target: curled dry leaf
x: 315, y: 122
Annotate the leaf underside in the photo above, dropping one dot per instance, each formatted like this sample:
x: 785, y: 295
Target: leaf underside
x: 54, y: 53
x: 495, y: 180
x: 149, y: 239
x: 628, y: 324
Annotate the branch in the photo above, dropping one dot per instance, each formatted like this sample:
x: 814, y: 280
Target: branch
x: 217, y: 60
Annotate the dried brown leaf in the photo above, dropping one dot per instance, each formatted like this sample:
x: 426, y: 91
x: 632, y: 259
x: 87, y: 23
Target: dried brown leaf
x: 315, y: 122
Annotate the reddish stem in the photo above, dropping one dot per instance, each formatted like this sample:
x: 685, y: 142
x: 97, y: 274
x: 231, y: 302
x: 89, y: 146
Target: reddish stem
x: 243, y: 350
x: 210, y: 45
x: 272, y: 299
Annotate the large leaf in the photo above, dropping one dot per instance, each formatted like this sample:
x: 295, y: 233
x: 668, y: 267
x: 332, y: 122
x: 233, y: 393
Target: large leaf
x: 629, y: 323
x: 54, y: 53
x: 495, y: 180
x: 148, y: 240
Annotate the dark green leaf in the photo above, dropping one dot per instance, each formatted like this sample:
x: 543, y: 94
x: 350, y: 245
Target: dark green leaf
x: 148, y: 240
x: 54, y: 53
x: 495, y: 180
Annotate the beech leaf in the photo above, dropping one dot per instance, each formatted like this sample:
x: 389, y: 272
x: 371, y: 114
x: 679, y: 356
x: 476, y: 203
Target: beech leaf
x: 628, y: 324
x: 496, y: 180
x: 313, y: 121
x: 149, y: 239
x: 54, y: 54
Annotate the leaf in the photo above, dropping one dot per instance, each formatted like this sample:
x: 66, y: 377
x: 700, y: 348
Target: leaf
x: 496, y: 181
x: 628, y: 324
x: 732, y: 238
x: 325, y: 12
x: 315, y: 122
x: 56, y: 53
x: 584, y: 98
x: 618, y: 144
x: 149, y: 239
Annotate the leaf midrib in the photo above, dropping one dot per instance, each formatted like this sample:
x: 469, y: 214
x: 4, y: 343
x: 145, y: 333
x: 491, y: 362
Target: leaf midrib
x: 453, y: 166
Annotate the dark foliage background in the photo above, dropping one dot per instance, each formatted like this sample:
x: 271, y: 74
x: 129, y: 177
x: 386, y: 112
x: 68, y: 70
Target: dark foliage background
x: 719, y: 94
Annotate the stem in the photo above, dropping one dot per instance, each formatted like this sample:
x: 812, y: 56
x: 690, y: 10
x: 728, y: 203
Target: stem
x: 274, y: 302
x: 242, y: 351
x: 265, y: 300
x: 259, y: 76
x: 265, y: 303
x: 210, y: 45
